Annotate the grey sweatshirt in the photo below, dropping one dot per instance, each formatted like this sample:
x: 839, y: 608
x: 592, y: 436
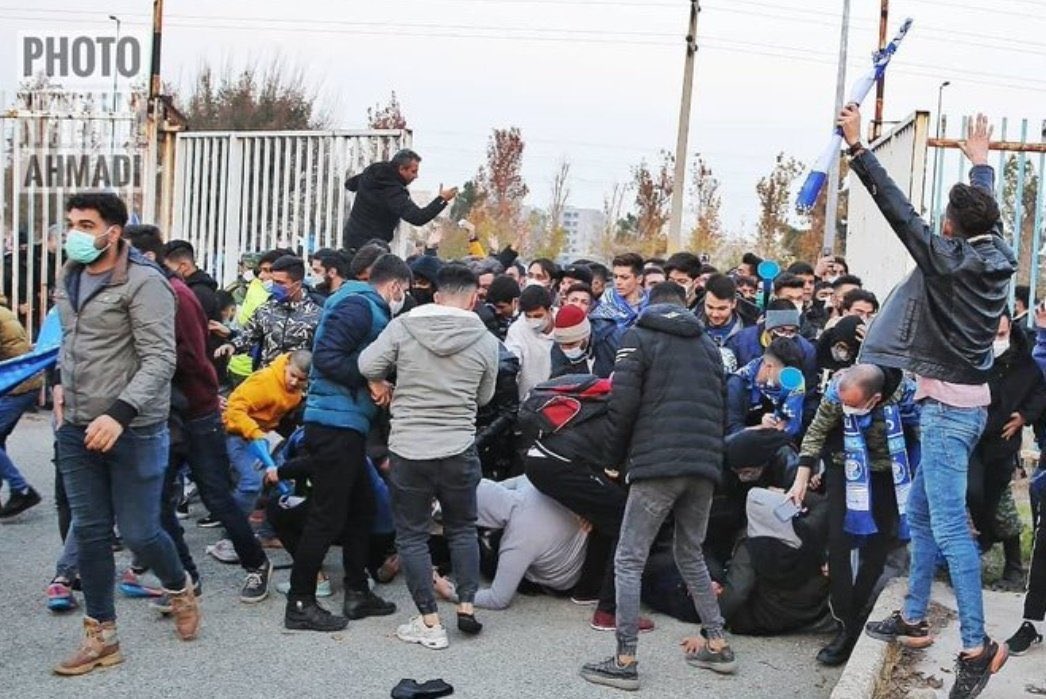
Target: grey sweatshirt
x: 542, y: 541
x: 446, y: 365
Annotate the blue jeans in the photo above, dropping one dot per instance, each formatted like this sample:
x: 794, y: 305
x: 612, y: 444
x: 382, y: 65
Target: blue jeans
x: 205, y: 452
x: 11, y: 409
x: 248, y: 478
x: 937, y: 516
x: 123, y: 486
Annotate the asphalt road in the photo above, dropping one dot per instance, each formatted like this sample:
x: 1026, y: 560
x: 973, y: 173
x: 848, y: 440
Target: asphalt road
x: 533, y: 649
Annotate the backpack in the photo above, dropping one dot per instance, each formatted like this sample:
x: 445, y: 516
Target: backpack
x: 561, y: 403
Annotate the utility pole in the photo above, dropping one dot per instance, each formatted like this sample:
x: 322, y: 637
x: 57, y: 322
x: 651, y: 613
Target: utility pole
x: 116, y: 73
x: 675, y: 222
x: 832, y: 205
x: 880, y: 85
x: 154, y: 112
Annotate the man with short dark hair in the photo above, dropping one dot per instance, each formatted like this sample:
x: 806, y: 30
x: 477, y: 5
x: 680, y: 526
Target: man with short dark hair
x: 530, y: 337
x: 940, y: 323
x: 621, y: 304
x: 382, y: 200
x: 860, y: 303
x: 669, y: 433
x: 503, y: 299
x: 202, y: 439
x: 339, y: 411
x: 180, y: 257
x: 600, y: 277
x: 446, y: 365
x: 111, y: 404
x: 684, y: 268
x: 330, y: 269
x: 718, y: 312
x: 285, y: 322
x: 804, y: 271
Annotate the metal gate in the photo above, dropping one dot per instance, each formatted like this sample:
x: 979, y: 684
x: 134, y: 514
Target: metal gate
x: 237, y: 192
x: 53, y: 143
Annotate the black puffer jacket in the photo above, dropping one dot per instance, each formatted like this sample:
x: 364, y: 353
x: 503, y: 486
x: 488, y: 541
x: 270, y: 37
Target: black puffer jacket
x: 667, y: 406
x: 381, y: 201
x: 940, y: 321
x: 1017, y: 386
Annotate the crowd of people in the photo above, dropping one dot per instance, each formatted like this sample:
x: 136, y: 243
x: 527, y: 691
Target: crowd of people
x: 487, y: 426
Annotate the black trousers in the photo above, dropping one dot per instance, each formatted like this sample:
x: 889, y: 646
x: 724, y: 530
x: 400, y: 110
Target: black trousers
x: 342, y: 509
x: 990, y: 472
x: 594, y: 497
x: 849, y: 597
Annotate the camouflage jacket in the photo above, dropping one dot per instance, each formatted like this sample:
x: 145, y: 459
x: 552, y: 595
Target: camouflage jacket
x: 278, y: 328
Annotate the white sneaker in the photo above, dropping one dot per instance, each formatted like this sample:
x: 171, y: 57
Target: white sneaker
x: 415, y: 631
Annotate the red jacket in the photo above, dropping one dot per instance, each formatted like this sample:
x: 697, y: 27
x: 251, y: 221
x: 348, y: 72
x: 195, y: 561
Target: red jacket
x: 194, y: 375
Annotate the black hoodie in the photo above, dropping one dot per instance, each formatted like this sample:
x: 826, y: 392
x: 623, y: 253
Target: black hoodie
x: 204, y: 287
x: 667, y: 407
x: 381, y: 201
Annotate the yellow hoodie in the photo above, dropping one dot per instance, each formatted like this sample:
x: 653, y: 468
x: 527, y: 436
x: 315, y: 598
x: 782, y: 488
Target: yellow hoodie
x: 260, y: 402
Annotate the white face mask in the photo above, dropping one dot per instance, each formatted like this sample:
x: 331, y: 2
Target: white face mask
x: 248, y: 275
x: 999, y: 347
x: 574, y: 353
x: 538, y: 325
x: 397, y: 306
x: 855, y: 412
x: 314, y: 280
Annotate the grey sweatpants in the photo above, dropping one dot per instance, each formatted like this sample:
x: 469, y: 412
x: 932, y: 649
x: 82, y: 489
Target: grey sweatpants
x: 649, y: 503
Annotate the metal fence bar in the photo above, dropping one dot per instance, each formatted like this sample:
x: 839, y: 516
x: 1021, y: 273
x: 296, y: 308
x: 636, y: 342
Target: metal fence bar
x: 1036, y: 238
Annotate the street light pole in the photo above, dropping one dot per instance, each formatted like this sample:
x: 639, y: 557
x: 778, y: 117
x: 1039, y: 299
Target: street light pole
x: 675, y: 221
x: 937, y: 153
x: 116, y: 74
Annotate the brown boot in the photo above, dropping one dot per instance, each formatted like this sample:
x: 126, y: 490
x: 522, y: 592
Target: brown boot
x: 100, y: 648
x: 185, y: 609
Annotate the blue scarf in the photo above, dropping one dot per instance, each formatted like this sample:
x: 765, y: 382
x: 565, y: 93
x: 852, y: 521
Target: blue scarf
x: 859, y: 521
x: 613, y: 306
x: 788, y: 405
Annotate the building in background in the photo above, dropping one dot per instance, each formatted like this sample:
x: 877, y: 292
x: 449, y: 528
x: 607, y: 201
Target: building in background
x: 583, y: 229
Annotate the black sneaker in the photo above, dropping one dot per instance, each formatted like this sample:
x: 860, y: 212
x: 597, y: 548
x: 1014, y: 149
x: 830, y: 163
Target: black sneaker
x: 1024, y: 639
x: 467, y: 623
x: 609, y: 674
x: 306, y: 615
x: 895, y: 629
x: 359, y: 605
x: 19, y: 503
x: 972, y: 674
x: 256, y: 585
x: 181, y: 510
x: 721, y: 661
x: 208, y: 522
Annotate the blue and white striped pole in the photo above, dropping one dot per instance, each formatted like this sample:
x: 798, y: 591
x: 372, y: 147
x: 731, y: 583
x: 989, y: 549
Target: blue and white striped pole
x: 819, y: 174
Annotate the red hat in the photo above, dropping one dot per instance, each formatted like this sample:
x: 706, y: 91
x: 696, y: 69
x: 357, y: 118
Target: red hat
x: 571, y: 325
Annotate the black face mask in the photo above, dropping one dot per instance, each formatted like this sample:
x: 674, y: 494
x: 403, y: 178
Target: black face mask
x: 422, y: 296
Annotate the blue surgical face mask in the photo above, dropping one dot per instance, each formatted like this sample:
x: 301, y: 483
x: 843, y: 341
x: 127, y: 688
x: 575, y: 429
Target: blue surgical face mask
x: 280, y: 293
x: 79, y: 246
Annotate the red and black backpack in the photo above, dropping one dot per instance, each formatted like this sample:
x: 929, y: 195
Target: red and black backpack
x: 561, y: 403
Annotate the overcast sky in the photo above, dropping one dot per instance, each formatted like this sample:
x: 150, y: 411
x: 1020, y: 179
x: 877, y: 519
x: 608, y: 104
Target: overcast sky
x: 597, y: 82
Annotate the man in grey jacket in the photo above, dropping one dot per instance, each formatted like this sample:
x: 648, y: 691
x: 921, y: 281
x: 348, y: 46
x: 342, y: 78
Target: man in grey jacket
x: 446, y: 366
x: 111, y: 407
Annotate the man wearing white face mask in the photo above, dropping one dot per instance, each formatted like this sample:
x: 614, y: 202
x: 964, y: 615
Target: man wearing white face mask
x: 530, y: 338
x: 867, y: 476
x: 339, y: 410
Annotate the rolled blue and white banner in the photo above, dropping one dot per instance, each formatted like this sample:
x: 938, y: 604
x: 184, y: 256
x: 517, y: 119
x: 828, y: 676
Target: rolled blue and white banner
x: 42, y: 357
x: 819, y: 174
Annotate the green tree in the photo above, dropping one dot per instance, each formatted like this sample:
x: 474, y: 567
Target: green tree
x: 1020, y: 235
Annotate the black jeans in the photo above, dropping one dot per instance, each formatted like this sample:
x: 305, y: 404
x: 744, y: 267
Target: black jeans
x: 342, y: 509
x: 204, y: 451
x: 451, y: 480
x: 849, y: 597
x: 594, y: 497
x: 991, y: 469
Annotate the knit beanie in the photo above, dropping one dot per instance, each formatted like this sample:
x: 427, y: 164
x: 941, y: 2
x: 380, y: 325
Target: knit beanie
x: 571, y: 325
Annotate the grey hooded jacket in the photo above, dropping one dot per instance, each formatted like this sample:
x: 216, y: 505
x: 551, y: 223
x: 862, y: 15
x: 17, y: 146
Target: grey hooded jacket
x: 118, y: 352
x: 446, y: 366
x: 542, y: 541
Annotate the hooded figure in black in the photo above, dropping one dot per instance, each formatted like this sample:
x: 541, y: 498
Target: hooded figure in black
x: 838, y: 348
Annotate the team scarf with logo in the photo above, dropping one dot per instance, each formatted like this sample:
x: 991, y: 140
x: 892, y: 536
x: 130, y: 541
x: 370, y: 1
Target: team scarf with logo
x: 859, y: 521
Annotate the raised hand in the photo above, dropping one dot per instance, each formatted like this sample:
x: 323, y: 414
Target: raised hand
x: 978, y: 136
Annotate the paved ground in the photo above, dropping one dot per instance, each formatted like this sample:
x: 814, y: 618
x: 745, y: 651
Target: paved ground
x: 1021, y: 676
x: 531, y: 650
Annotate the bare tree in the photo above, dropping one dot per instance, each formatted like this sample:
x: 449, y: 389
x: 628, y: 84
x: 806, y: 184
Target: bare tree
x: 653, y: 198
x: 560, y: 194
x: 707, y: 235
x: 388, y: 116
x: 501, y: 184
